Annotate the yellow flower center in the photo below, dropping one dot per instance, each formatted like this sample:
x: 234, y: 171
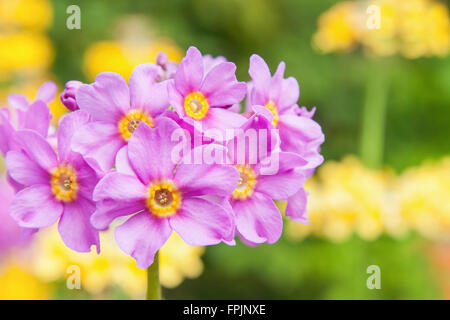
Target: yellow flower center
x: 273, y: 108
x: 129, y: 123
x: 196, y: 105
x: 246, y: 184
x: 64, y: 183
x: 164, y: 199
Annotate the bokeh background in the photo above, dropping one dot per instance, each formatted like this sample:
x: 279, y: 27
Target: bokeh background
x: 393, y: 213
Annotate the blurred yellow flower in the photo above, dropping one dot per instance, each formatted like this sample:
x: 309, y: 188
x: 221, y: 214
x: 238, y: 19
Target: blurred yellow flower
x: 135, y: 42
x: 179, y: 261
x: 18, y: 284
x: 51, y: 259
x: 337, y: 30
x: 25, y: 14
x: 24, y: 52
x: 413, y: 28
x: 424, y: 199
x: 346, y: 197
x: 121, y: 57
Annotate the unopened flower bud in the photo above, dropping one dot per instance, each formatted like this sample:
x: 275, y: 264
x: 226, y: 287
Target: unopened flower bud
x: 68, y: 95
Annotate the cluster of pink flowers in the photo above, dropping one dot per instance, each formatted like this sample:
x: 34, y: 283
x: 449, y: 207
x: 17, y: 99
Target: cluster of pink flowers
x: 113, y: 157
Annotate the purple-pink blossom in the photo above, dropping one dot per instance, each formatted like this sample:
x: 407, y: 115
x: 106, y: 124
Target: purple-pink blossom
x: 117, y: 156
x: 272, y: 175
x: 116, y: 109
x: 298, y: 132
x: 162, y: 194
x: 59, y: 185
x: 201, y: 96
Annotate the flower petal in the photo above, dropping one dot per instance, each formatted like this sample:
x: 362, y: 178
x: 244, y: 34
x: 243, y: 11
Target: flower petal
x: 296, y: 207
x: 75, y: 227
x: 107, y: 99
x: 176, y: 99
x: 6, y: 134
x: 200, y: 222
x: 222, y: 119
x: 35, y: 207
x: 18, y: 102
x: 276, y: 83
x: 218, y: 76
x: 285, y: 181
x: 120, y: 187
x: 260, y: 73
x: 142, y: 236
x: 86, y: 175
x: 47, y: 92
x: 123, y: 163
x: 108, y: 210
x: 254, y: 140
x: 37, y: 117
x: 145, y: 92
x: 203, y: 179
x: 280, y: 186
x: 258, y: 219
x: 67, y: 128
x: 99, y: 141
x: 289, y: 95
x: 297, y: 133
x: 230, y: 94
x: 25, y: 171
x: 189, y: 74
x: 150, y: 151
x: 37, y: 148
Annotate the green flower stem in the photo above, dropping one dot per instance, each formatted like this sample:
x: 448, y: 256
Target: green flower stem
x: 374, y: 114
x: 153, y: 285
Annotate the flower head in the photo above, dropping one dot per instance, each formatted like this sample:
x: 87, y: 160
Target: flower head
x: 162, y: 194
x: 200, y: 92
x: 116, y: 110
x: 277, y: 176
x: 298, y: 132
x: 57, y: 185
x: 412, y: 28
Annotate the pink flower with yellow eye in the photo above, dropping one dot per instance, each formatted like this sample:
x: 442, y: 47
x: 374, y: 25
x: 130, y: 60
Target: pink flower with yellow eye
x: 202, y: 90
x: 266, y: 174
x: 116, y: 109
x: 298, y: 132
x: 161, y: 194
x: 58, y: 185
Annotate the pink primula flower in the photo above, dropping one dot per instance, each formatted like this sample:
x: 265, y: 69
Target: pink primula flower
x: 298, y: 132
x: 203, y: 88
x: 271, y: 175
x: 116, y: 110
x: 58, y: 185
x: 162, y: 194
